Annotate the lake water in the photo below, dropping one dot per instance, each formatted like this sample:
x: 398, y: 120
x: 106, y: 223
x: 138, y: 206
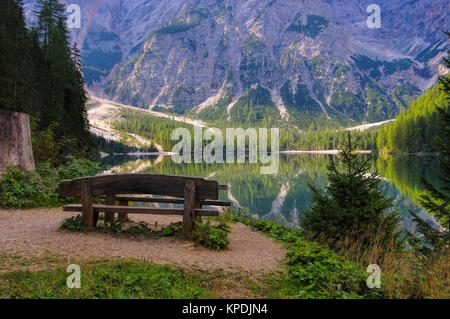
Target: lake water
x: 284, y: 196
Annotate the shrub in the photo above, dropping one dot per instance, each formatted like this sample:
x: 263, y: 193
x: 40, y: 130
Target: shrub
x: 312, y: 270
x: 23, y: 189
x: 40, y: 188
x: 211, y: 236
x: 316, y: 272
x: 77, y: 167
x: 73, y: 224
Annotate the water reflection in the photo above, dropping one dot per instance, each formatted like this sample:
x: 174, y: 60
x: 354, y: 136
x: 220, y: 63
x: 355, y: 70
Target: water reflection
x: 284, y: 196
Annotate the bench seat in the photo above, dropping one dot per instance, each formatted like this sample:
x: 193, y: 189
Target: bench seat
x: 139, y: 210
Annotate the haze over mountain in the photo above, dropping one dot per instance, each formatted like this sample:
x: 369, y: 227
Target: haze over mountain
x: 311, y: 61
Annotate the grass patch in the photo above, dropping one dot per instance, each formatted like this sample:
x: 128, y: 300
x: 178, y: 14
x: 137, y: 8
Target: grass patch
x: 118, y: 279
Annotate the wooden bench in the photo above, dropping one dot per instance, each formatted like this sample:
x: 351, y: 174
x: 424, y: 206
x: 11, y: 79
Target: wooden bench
x: 192, y: 192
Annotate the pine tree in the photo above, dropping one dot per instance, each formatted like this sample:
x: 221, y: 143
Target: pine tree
x: 437, y: 200
x: 15, y: 61
x: 353, y: 206
x: 41, y: 76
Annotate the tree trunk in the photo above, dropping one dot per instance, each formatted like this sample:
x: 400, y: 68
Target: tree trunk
x: 15, y: 141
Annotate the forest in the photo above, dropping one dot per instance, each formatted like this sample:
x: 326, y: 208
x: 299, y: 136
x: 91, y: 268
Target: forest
x: 41, y: 76
x: 415, y: 129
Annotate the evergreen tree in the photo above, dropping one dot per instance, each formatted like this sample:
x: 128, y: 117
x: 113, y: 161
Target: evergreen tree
x: 41, y: 76
x: 15, y: 85
x: 353, y: 206
x: 437, y: 200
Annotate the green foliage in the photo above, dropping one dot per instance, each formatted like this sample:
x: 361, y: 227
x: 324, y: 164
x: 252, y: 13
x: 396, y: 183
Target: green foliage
x: 313, y: 27
x: 40, y: 188
x: 255, y: 109
x: 116, y: 227
x: 315, y: 272
x: 348, y: 103
x: 404, y: 94
x: 375, y: 67
x: 177, y: 26
x: 73, y: 224
x: 416, y: 128
x: 312, y: 271
x: 331, y: 139
x: 113, y: 147
x: 41, y: 76
x: 212, y: 236
x: 437, y: 199
x: 77, y: 167
x: 353, y: 207
x: 119, y: 279
x: 159, y: 130
x: 217, y: 113
x: 379, y: 108
x: 315, y: 64
x: 300, y: 101
x: 22, y: 189
x: 98, y: 63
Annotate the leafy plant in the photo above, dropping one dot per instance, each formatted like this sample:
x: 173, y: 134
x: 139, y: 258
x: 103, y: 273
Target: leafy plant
x: 312, y: 270
x: 74, y: 224
x: 23, y: 189
x: 212, y: 236
x: 40, y: 188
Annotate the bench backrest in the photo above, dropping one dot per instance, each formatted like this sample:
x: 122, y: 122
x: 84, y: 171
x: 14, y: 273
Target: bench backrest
x: 155, y: 184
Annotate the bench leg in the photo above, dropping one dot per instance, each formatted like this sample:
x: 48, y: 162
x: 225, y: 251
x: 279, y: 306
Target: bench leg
x: 123, y: 217
x: 189, y: 207
x: 109, y: 217
x: 198, y: 204
x: 87, y: 209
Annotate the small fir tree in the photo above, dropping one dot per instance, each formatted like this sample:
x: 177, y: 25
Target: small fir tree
x: 353, y: 206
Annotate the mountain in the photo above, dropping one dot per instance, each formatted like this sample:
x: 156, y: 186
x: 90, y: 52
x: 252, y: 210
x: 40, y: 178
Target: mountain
x: 309, y: 62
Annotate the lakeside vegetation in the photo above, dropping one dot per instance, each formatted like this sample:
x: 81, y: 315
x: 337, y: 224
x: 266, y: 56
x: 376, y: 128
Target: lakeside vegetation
x: 416, y: 128
x: 350, y: 224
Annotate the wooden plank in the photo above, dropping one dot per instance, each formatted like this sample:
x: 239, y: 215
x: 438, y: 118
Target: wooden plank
x: 86, y: 204
x: 141, y: 210
x: 170, y: 200
x: 151, y: 199
x: 123, y: 217
x: 189, y: 207
x: 223, y: 187
x: 109, y: 216
x: 216, y: 203
x: 157, y: 184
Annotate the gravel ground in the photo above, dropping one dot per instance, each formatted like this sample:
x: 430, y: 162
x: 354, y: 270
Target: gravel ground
x: 35, y: 232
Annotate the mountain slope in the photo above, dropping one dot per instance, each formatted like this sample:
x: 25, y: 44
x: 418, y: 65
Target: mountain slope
x: 317, y: 59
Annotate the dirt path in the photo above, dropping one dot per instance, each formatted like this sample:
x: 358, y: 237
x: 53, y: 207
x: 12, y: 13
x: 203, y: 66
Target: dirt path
x: 35, y: 232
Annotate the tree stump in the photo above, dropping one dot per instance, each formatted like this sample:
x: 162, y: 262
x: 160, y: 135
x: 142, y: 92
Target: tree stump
x: 15, y: 141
